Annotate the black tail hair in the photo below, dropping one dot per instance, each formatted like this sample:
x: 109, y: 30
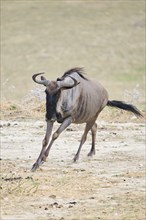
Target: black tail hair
x: 125, y: 106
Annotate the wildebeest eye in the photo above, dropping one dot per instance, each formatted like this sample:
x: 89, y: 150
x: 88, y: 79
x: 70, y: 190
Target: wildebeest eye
x: 46, y: 91
x: 59, y: 79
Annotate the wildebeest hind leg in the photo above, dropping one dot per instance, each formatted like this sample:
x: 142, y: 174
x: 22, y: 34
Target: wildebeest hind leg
x: 87, y: 128
x: 93, y: 130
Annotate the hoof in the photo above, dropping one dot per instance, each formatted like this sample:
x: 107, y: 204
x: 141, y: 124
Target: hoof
x: 91, y: 153
x: 76, y: 158
x: 34, y: 167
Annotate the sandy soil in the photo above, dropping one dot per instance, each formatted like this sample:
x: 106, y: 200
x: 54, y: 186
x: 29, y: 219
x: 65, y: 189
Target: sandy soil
x: 110, y: 185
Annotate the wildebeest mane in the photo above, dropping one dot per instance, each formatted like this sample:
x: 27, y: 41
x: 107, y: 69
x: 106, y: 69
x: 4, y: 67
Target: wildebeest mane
x: 78, y: 70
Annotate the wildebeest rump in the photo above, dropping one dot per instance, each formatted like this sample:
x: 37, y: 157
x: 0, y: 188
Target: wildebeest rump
x: 74, y: 98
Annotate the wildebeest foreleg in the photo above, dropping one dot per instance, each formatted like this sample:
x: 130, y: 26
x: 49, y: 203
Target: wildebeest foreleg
x: 62, y: 127
x: 87, y: 128
x: 44, y: 145
x: 93, y: 130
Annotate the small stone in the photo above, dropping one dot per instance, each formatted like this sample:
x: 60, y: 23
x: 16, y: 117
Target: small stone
x: 83, y: 170
x: 69, y: 129
x: 73, y: 203
x: 52, y: 196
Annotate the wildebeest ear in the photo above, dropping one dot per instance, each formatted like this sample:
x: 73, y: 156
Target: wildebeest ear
x: 42, y: 81
x: 43, y: 78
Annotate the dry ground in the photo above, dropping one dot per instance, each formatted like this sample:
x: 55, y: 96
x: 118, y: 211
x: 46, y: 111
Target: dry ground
x: 110, y: 185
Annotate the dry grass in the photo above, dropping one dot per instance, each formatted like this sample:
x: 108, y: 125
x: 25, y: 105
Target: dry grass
x: 106, y: 37
x: 35, y: 109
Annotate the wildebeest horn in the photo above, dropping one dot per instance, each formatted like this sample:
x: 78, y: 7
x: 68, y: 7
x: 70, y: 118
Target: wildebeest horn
x: 75, y: 81
x: 65, y: 84
x: 43, y: 80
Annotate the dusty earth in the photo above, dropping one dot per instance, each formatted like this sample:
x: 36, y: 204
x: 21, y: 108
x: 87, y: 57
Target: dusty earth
x: 110, y: 185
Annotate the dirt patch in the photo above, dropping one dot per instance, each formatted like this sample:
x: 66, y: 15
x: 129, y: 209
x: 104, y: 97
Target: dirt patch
x: 110, y: 185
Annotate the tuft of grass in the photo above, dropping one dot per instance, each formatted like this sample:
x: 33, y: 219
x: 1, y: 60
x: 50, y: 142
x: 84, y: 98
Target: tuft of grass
x: 13, y: 107
x: 18, y: 186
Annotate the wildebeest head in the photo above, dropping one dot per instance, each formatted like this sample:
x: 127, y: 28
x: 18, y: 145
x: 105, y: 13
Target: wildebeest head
x: 53, y: 89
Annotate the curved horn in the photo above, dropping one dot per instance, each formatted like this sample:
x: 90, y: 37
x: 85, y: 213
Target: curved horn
x: 43, y: 81
x: 75, y: 81
x: 67, y: 84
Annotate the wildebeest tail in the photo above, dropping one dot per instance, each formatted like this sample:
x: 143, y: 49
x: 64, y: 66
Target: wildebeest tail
x: 125, y: 106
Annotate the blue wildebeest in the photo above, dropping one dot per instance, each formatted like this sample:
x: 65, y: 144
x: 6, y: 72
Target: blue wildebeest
x: 74, y: 98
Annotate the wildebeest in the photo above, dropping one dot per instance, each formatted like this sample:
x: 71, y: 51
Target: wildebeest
x: 74, y: 98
